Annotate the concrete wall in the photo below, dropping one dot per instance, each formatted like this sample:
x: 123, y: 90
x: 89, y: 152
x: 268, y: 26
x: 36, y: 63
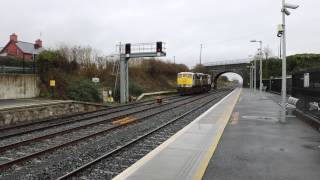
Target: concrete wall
x: 21, y: 115
x: 15, y: 86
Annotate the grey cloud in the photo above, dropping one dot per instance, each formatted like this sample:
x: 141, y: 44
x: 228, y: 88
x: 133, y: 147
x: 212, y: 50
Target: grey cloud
x: 224, y: 27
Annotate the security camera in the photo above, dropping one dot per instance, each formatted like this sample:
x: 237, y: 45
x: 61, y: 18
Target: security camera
x: 280, y: 30
x: 286, y: 11
x: 291, y: 6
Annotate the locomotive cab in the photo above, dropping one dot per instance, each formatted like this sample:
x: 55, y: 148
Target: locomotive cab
x: 185, y: 82
x: 192, y: 83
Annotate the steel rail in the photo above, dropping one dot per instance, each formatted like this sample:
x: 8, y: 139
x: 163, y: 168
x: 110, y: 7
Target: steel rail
x: 50, y: 119
x: 28, y: 141
x: 73, y: 121
x: 85, y: 166
x: 30, y: 156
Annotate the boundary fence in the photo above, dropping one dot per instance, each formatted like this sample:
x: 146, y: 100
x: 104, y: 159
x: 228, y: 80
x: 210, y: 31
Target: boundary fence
x: 305, y: 86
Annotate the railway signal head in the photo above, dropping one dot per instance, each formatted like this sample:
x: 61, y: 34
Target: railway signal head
x: 159, y: 47
x: 128, y: 48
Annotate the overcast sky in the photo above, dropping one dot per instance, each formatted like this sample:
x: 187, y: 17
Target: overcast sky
x: 224, y: 27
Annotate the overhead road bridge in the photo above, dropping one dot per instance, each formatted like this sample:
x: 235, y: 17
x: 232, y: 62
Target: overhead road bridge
x: 240, y: 66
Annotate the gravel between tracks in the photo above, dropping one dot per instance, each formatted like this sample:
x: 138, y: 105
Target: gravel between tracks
x: 70, y: 117
x: 74, y: 124
x: 66, y: 159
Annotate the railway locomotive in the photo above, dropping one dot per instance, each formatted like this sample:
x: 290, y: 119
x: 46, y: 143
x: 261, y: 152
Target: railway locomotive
x: 193, y: 83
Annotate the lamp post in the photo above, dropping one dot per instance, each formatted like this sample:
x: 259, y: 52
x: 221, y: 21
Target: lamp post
x: 282, y: 34
x: 251, y: 67
x: 260, y: 70
x: 252, y: 74
x: 200, y: 58
x: 250, y: 78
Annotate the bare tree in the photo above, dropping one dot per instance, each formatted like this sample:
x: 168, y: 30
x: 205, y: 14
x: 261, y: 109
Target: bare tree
x: 267, y: 52
x: 66, y: 52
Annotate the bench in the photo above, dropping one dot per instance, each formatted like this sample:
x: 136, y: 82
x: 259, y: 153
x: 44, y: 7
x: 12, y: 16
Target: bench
x: 264, y: 88
x: 291, y: 104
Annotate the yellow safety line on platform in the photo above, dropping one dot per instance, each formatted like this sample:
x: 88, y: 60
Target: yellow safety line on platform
x: 224, y: 120
x: 129, y: 171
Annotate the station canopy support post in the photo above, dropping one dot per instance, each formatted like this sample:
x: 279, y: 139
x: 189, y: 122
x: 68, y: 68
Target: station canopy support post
x: 140, y: 50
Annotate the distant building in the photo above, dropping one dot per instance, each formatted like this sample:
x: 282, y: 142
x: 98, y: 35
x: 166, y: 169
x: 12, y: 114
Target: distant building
x: 20, y: 49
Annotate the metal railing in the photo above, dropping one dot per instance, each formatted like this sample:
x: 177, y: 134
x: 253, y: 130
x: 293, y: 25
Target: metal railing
x: 142, y: 48
x: 228, y: 62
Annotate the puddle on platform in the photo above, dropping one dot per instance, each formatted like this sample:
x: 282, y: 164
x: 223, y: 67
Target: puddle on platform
x: 261, y: 118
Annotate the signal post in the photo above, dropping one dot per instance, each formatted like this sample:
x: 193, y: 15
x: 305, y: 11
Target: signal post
x: 135, y: 51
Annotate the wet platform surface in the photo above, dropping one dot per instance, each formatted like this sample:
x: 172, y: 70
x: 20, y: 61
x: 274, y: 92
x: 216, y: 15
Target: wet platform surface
x: 186, y: 154
x: 256, y: 146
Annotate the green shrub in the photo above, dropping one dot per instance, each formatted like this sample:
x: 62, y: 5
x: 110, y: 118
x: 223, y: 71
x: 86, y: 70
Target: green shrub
x: 12, y: 61
x: 135, y: 89
x: 45, y: 94
x: 83, y: 90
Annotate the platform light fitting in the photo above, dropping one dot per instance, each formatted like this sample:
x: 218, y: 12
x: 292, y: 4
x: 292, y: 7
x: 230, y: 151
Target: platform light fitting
x: 286, y: 12
x: 291, y: 6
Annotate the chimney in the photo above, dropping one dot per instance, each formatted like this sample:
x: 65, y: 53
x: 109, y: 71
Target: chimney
x: 13, y: 37
x: 38, y: 44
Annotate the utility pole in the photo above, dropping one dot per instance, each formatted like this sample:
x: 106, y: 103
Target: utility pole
x: 260, y: 72
x: 174, y: 59
x: 200, y: 53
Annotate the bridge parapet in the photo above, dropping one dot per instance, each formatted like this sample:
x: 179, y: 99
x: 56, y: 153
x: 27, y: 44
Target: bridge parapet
x: 236, y: 66
x: 228, y: 62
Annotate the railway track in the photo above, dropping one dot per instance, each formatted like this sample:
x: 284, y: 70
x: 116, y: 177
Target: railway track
x: 76, y: 123
x: 83, y: 149
x: 68, y: 137
x: 31, y: 136
x: 140, y: 146
x: 67, y: 119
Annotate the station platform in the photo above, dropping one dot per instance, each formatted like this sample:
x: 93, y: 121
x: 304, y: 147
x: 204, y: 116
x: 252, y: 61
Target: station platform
x: 186, y: 154
x: 256, y: 146
x: 253, y: 145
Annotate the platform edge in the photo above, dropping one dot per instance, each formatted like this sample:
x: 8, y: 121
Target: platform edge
x: 126, y: 173
x: 205, y: 162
